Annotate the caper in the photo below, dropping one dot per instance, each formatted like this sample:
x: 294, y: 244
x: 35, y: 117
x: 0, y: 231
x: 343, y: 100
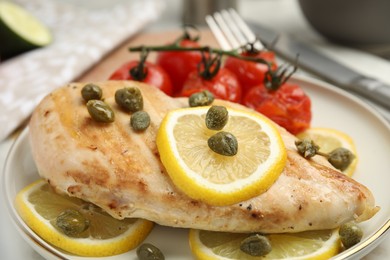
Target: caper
x: 100, y: 111
x: 91, y: 91
x: 216, y: 117
x: 223, y: 143
x: 203, y: 98
x: 256, y: 245
x: 350, y: 234
x: 71, y: 222
x: 140, y: 120
x: 149, y: 252
x: 341, y: 158
x: 307, y: 148
x: 130, y: 99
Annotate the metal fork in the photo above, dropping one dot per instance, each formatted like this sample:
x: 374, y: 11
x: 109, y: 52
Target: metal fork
x: 231, y: 31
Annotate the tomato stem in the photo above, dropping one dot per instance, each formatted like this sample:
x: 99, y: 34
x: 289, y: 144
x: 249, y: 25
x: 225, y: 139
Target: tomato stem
x: 274, y: 79
x: 173, y: 47
x: 140, y: 72
x: 211, y: 65
x: 187, y: 35
x: 250, y: 48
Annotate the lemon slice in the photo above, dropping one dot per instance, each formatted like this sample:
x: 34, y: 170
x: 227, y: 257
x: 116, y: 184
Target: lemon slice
x: 304, y: 245
x: 39, y: 206
x: 216, y: 179
x: 329, y: 139
x: 20, y: 31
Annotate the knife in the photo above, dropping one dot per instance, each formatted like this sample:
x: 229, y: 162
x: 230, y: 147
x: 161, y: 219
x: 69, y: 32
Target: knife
x: 320, y: 65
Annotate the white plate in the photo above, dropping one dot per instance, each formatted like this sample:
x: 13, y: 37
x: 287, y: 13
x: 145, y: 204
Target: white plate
x: 331, y: 108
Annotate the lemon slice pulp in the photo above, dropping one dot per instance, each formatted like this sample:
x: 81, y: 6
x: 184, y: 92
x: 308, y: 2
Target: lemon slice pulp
x: 213, y: 178
x: 329, y: 139
x: 304, y: 245
x: 38, y: 205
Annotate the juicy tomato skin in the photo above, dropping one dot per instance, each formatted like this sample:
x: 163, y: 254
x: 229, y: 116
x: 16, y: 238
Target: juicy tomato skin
x: 156, y: 76
x: 224, y: 85
x: 249, y: 73
x: 288, y: 106
x: 179, y: 64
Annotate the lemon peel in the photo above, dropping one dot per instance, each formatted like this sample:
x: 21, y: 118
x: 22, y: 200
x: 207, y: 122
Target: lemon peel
x: 38, y: 205
x: 213, y: 178
x: 329, y: 139
x: 209, y: 245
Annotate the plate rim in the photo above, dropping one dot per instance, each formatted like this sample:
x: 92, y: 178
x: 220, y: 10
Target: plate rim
x: 26, y: 232
x: 360, y: 250
x: 354, y: 98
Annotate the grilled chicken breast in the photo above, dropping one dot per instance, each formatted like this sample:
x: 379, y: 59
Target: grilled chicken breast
x: 120, y: 171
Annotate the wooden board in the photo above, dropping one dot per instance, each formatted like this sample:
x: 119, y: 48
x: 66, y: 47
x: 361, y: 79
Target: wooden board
x: 103, y: 69
x: 120, y: 55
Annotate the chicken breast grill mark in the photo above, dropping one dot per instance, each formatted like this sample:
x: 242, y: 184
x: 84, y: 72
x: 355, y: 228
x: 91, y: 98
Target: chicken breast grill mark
x: 119, y: 170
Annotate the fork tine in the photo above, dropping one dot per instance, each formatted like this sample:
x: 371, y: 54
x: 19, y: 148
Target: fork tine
x: 223, y: 42
x: 251, y: 37
x: 226, y: 30
x: 231, y: 31
x: 240, y: 37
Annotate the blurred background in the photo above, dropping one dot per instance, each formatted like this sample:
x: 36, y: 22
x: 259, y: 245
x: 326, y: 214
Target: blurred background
x: 357, y: 24
x: 352, y: 32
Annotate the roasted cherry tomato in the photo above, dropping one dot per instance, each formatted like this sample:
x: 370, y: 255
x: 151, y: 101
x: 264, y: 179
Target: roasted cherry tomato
x: 250, y: 73
x: 150, y: 73
x: 224, y: 85
x: 288, y: 106
x: 179, y: 64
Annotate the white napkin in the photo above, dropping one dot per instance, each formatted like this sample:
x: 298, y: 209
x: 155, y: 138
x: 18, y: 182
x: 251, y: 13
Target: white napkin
x: 82, y: 36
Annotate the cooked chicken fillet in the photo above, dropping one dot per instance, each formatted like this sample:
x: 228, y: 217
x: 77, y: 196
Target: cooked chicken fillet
x: 120, y: 171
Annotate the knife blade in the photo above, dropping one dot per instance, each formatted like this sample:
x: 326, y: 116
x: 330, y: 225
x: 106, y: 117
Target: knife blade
x: 321, y: 65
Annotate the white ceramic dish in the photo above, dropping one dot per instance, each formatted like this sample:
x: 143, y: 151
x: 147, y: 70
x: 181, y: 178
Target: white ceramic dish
x: 332, y: 108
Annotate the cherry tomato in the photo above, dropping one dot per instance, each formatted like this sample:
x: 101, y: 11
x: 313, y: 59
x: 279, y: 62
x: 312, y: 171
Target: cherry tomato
x: 288, y: 106
x: 178, y: 64
x: 224, y: 85
x: 250, y: 73
x: 155, y: 75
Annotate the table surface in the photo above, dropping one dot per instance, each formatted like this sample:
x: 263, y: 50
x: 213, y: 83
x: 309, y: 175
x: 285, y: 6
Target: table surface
x: 13, y: 246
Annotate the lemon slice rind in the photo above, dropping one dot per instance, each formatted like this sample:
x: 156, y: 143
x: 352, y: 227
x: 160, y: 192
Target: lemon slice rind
x: 197, y: 187
x: 329, y: 139
x: 91, y: 247
x: 327, y: 249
